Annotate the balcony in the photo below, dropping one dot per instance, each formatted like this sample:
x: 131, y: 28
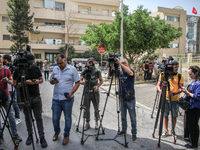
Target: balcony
x: 94, y: 15
x: 50, y: 29
x: 115, y: 3
x: 47, y: 13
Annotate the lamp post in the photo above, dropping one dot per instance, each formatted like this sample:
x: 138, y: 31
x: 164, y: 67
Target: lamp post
x: 121, y: 45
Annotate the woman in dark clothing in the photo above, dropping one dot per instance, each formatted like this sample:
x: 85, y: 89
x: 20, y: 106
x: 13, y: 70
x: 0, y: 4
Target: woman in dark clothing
x: 192, y: 93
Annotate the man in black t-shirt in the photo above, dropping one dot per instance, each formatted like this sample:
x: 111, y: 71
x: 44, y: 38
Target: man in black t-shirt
x: 33, y: 78
x: 146, y: 69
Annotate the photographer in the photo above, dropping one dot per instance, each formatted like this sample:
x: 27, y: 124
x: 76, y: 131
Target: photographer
x: 93, y: 87
x: 127, y: 76
x: 33, y: 78
x: 8, y: 80
x: 175, y: 81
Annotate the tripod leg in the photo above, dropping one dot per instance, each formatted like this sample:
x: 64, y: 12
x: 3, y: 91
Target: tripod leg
x: 154, y: 103
x: 82, y: 141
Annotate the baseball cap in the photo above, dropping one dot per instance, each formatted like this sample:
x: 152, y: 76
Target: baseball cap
x: 90, y: 59
x: 30, y: 58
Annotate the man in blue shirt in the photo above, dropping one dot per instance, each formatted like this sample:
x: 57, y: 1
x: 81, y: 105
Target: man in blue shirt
x: 63, y: 76
x: 127, y: 77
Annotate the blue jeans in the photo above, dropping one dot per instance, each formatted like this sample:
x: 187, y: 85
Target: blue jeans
x: 130, y: 106
x: 11, y: 116
x: 57, y: 107
x: 15, y: 105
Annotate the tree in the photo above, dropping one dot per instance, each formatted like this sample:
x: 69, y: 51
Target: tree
x: 95, y: 54
x: 142, y: 33
x: 20, y: 21
x: 69, y: 48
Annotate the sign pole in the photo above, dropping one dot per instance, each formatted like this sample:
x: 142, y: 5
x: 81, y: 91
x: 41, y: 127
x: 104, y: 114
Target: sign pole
x: 101, y: 61
x: 121, y: 30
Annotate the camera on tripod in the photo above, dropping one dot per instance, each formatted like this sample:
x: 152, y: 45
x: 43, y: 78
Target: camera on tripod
x: 166, y: 67
x: 112, y: 58
x: 88, y: 71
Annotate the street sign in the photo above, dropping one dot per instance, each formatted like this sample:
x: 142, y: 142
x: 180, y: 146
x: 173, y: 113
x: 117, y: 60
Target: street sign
x: 101, y: 50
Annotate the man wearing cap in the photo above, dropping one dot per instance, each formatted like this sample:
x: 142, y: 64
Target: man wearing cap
x: 33, y: 78
x: 89, y: 96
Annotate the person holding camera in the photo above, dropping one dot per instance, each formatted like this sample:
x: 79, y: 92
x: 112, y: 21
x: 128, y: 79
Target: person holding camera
x: 175, y: 81
x: 33, y: 79
x: 89, y: 96
x: 192, y: 94
x: 127, y: 76
x: 63, y: 77
x: 4, y: 80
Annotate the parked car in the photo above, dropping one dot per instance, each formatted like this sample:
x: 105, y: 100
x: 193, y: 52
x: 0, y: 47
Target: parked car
x: 52, y: 66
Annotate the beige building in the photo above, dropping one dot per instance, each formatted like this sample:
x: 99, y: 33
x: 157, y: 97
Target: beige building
x: 177, y: 17
x: 59, y: 22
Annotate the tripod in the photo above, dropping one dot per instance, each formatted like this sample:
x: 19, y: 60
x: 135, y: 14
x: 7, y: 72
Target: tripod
x: 165, y: 84
x: 155, y: 102
x: 85, y: 95
x: 115, y: 72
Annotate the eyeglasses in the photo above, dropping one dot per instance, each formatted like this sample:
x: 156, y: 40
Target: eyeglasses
x: 123, y: 63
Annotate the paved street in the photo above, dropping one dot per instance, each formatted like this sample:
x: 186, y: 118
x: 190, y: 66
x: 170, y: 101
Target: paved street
x: 145, y: 97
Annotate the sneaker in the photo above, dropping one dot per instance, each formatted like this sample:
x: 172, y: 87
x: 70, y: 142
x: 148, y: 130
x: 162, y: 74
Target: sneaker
x: 134, y: 138
x: 29, y: 140
x: 43, y: 142
x: 165, y: 134
x: 17, y: 120
x: 174, y: 135
x: 120, y: 133
x: 17, y: 138
x: 87, y: 126
x: 96, y: 126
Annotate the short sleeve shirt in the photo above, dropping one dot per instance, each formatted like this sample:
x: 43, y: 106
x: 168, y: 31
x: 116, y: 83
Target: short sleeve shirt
x: 66, y: 79
x: 8, y: 75
x: 173, y: 86
x: 156, y: 64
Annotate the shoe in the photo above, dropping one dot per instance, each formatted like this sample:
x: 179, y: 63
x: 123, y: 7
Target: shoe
x: 187, y: 139
x: 43, y: 142
x: 189, y: 145
x: 65, y: 140
x: 87, y: 126
x: 17, y: 120
x: 55, y: 137
x: 120, y: 133
x: 17, y: 138
x: 96, y: 126
x: 165, y: 134
x: 174, y: 135
x: 29, y: 140
x: 134, y: 138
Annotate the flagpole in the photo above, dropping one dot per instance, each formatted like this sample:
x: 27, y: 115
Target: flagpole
x: 121, y: 45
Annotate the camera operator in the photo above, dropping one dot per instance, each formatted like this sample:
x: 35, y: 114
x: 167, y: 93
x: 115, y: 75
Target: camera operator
x: 127, y: 76
x: 174, y: 92
x: 33, y: 78
x: 94, y: 86
x: 8, y: 80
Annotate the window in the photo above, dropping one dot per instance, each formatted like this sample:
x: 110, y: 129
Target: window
x: 6, y: 37
x: 37, y: 56
x: 105, y: 12
x: 174, y: 45
x: 55, y: 25
x: 59, y: 6
x: 85, y: 11
x: 172, y: 18
x: 53, y: 41
x: 5, y: 19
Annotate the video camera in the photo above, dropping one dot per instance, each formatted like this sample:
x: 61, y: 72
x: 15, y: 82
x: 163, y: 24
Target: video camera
x: 88, y: 71
x: 112, y: 58
x: 166, y: 67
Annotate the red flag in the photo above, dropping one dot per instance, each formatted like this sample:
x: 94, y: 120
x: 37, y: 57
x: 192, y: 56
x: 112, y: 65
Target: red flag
x: 194, y: 11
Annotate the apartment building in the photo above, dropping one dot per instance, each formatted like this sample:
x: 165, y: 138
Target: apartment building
x: 177, y: 17
x: 59, y: 22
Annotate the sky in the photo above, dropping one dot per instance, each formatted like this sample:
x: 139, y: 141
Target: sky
x: 152, y: 5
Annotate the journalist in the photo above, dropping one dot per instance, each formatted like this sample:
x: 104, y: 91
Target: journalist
x: 192, y: 114
x: 63, y: 77
x: 33, y: 79
x: 8, y: 80
x: 174, y: 80
x: 93, y: 87
x: 127, y: 76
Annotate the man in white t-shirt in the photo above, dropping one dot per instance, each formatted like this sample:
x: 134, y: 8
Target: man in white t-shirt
x: 80, y: 66
x: 156, y: 64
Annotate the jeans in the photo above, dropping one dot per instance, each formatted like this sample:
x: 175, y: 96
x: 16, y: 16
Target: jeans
x: 57, y: 107
x: 15, y: 105
x: 130, y: 106
x: 36, y: 106
x: 11, y: 116
x: 46, y: 75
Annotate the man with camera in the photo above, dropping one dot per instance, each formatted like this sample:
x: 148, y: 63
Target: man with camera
x: 175, y: 81
x: 4, y: 80
x: 89, y: 95
x: 63, y: 77
x: 127, y: 90
x: 33, y: 79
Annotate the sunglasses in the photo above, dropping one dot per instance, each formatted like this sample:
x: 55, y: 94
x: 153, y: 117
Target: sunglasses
x: 123, y: 63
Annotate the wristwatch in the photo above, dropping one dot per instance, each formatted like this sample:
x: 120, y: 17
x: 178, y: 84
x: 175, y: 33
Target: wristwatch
x: 174, y: 94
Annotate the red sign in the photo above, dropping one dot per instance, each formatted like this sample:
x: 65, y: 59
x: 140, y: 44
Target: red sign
x: 101, y: 50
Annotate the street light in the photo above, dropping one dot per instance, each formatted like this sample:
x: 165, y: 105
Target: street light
x: 121, y: 45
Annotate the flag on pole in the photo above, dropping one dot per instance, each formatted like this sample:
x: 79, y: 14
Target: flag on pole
x: 194, y: 11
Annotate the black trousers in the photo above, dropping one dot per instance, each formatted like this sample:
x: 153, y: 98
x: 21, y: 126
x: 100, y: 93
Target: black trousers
x: 192, y: 120
x: 146, y: 75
